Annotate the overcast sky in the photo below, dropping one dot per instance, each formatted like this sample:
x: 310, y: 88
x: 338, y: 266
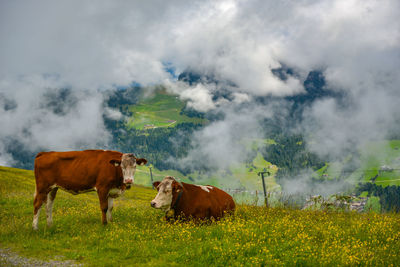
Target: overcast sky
x: 90, y: 46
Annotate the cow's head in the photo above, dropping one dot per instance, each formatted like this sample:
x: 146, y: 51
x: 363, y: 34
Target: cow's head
x: 168, y: 190
x: 128, y: 164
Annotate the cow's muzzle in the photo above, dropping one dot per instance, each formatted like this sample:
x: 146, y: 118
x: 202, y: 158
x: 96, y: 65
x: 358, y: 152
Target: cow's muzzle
x: 128, y: 181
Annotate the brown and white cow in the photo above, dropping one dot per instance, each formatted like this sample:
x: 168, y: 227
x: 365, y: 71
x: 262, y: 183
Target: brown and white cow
x: 107, y: 172
x: 191, y: 201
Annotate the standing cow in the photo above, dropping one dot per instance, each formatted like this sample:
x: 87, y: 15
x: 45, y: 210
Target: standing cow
x: 191, y: 201
x: 107, y: 172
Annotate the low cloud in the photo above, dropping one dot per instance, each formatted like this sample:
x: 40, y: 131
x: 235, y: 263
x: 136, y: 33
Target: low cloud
x: 113, y: 114
x: 88, y: 47
x: 224, y: 143
x: 198, y: 98
x: 303, y: 186
x: 43, y: 117
x: 334, y: 129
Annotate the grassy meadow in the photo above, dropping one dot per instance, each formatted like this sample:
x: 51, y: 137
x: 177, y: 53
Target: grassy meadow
x: 161, y: 110
x: 139, y: 235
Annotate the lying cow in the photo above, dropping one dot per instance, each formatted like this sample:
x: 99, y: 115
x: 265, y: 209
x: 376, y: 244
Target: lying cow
x: 107, y: 172
x: 191, y: 201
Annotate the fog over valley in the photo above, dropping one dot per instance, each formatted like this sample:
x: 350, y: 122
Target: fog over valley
x: 255, y: 78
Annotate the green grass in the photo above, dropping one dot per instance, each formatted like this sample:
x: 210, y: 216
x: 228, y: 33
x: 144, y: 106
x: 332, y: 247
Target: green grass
x: 329, y: 171
x: 373, y: 204
x: 139, y: 236
x: 161, y: 110
x: 247, y: 174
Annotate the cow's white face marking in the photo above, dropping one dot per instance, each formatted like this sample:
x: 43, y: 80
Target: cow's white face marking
x: 163, y: 198
x: 206, y: 188
x: 128, y: 166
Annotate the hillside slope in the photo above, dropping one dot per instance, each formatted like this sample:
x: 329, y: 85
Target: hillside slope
x: 160, y: 110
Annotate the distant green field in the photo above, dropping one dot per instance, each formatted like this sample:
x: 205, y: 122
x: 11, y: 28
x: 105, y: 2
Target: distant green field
x: 248, y: 174
x: 139, y: 236
x: 143, y: 177
x: 160, y: 110
x: 381, y: 159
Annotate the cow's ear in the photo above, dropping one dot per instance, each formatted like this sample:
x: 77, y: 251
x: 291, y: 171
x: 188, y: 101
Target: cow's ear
x: 141, y: 162
x: 176, y: 186
x: 115, y: 162
x: 155, y: 184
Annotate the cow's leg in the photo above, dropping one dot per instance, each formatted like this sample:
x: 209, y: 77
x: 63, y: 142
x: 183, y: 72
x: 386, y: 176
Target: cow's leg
x: 109, y: 209
x: 49, y: 207
x: 103, y: 198
x: 40, y: 197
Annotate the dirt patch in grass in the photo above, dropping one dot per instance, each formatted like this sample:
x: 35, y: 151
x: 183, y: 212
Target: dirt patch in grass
x: 10, y: 258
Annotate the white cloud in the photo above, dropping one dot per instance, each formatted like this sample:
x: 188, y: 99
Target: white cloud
x: 223, y: 143
x: 113, y: 114
x: 241, y: 98
x: 87, y: 46
x: 198, y: 98
x: 39, y: 121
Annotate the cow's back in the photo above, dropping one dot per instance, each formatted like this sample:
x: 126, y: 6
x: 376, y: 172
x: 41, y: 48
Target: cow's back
x: 223, y: 202
x: 73, y: 170
x: 208, y: 201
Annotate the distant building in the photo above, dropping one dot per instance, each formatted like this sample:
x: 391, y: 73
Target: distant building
x: 386, y: 168
x: 148, y: 126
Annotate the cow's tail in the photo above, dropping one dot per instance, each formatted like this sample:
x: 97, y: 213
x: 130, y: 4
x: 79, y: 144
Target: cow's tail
x: 36, y: 167
x: 36, y: 171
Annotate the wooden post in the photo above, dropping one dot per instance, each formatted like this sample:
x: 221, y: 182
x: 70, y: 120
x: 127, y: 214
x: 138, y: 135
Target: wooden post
x: 151, y: 177
x: 263, y: 182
